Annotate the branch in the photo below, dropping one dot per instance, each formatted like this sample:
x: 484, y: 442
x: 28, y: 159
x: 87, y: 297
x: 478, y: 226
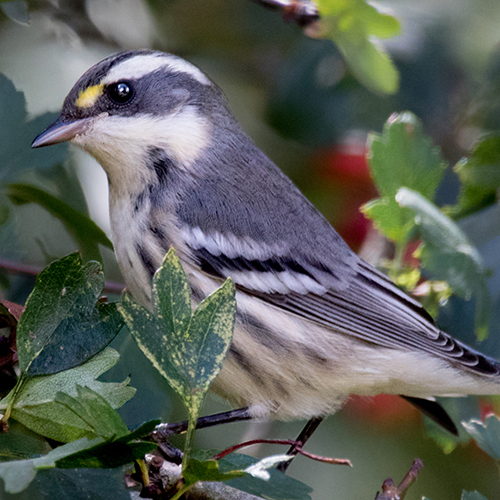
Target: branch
x: 289, y: 442
x: 391, y: 492
x: 302, y: 12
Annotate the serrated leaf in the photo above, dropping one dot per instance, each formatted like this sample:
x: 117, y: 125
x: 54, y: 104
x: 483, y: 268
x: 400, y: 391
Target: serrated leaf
x: 352, y: 25
x: 472, y: 495
x: 207, y: 470
x: 119, y: 447
x: 92, y: 408
x: 63, y: 325
x: 18, y: 474
x: 19, y: 443
x: 449, y: 255
x: 188, y: 355
x: 86, y: 233
x: 279, y: 487
x: 107, y: 455
x: 83, y: 453
x: 486, y: 434
x: 16, y: 11
x: 388, y: 218
x: 404, y: 156
x: 401, y: 156
x: 36, y: 406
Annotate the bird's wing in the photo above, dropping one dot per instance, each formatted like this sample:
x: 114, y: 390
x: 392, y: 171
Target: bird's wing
x: 365, y: 305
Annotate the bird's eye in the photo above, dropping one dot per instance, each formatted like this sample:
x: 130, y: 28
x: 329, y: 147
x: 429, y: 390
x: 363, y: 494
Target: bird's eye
x: 120, y: 92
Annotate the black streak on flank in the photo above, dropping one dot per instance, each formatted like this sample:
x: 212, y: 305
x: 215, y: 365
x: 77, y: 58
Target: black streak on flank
x: 245, y: 363
x: 158, y: 234
x: 139, y: 202
x: 146, y: 259
x: 261, y: 334
x: 161, y: 163
x: 197, y: 294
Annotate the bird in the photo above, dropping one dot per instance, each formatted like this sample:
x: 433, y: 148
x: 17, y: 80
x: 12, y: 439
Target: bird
x: 315, y: 323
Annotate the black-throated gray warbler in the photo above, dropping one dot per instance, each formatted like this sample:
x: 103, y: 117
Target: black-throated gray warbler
x: 315, y: 323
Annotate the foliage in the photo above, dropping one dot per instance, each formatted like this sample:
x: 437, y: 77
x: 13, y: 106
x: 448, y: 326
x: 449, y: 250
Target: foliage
x: 187, y: 348
x: 353, y: 25
x: 64, y: 333
x: 407, y: 170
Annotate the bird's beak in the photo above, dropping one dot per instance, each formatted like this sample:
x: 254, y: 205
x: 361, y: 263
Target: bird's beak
x: 60, y: 131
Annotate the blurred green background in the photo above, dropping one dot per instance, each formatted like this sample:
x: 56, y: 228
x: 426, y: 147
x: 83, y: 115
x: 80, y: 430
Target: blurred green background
x: 298, y: 101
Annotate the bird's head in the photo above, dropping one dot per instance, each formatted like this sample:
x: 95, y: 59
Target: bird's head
x: 132, y: 105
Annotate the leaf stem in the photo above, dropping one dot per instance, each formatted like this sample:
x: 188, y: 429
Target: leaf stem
x: 5, y: 417
x: 183, y: 490
x: 144, y: 472
x: 188, y: 446
x: 397, y: 263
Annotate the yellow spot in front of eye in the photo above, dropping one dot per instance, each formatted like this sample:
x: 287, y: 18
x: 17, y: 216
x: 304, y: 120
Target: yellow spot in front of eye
x: 88, y: 97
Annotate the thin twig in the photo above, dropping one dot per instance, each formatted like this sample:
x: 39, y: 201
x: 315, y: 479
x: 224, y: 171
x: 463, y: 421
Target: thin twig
x: 391, y: 492
x: 289, y: 442
x: 302, y: 12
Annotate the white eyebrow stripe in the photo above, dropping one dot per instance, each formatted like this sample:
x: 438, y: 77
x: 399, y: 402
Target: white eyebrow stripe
x: 143, y: 64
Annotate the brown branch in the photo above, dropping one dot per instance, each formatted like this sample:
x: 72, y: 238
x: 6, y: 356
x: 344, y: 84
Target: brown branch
x: 302, y: 12
x: 391, y: 492
x: 288, y: 442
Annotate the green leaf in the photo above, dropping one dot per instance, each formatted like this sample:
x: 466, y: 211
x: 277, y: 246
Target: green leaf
x: 63, y: 325
x: 458, y: 409
x: 17, y: 134
x: 107, y: 455
x: 86, y: 233
x: 449, y: 255
x: 279, y: 486
x: 36, y: 406
x: 482, y: 167
x: 91, y: 407
x: 143, y: 430
x: 172, y: 295
x: 479, y: 176
x: 20, y: 443
x: 389, y: 218
x: 472, y: 495
x: 207, y: 470
x: 369, y: 62
x: 401, y: 156
x: 404, y: 156
x: 16, y: 11
x: 75, y: 484
x: 352, y: 25
x: 188, y: 354
x: 18, y: 474
x: 486, y: 434
x: 208, y: 338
